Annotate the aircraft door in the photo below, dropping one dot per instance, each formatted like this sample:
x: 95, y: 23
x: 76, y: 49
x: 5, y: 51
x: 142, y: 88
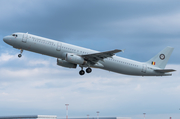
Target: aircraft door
x: 58, y: 46
x: 144, y: 67
x: 25, y: 37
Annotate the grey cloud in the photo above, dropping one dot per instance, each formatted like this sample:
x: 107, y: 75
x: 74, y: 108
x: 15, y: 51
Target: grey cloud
x: 78, y: 19
x: 118, y: 24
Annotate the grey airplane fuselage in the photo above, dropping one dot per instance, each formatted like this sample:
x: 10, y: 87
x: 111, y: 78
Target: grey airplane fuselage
x: 59, y: 49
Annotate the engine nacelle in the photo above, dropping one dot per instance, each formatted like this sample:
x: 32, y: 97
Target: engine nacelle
x: 75, y: 59
x: 63, y: 63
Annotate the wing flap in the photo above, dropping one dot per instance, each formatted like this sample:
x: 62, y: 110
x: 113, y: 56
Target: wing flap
x: 95, y: 57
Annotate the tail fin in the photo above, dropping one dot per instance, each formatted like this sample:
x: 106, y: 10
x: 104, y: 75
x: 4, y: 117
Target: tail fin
x: 161, y: 59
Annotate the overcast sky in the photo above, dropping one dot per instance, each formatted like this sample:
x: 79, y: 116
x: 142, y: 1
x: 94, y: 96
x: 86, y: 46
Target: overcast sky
x: 34, y: 84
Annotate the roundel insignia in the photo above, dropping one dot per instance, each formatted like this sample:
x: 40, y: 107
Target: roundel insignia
x: 162, y: 56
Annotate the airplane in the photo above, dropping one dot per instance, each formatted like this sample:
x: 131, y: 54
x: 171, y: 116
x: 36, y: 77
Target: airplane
x: 70, y: 56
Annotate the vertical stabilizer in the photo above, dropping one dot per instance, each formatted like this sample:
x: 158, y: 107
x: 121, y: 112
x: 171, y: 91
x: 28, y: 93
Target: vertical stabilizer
x: 161, y: 59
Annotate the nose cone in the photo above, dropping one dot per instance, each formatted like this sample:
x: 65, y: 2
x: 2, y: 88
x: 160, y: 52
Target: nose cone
x: 5, y: 39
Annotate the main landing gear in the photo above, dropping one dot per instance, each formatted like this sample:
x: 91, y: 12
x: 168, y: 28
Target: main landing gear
x: 88, y: 70
x: 82, y: 72
x: 20, y: 55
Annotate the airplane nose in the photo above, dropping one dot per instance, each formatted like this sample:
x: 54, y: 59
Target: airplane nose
x: 5, y: 39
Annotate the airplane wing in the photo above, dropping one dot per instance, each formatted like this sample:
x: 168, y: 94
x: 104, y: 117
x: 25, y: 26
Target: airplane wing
x: 95, y: 57
x: 164, y: 70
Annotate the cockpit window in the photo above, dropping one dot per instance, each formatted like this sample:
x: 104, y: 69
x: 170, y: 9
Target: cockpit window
x: 14, y: 35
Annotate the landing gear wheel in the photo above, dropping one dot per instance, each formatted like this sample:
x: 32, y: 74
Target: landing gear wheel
x: 19, y: 55
x: 82, y: 72
x: 88, y: 70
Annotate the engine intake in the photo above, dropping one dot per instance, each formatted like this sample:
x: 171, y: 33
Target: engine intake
x: 75, y: 59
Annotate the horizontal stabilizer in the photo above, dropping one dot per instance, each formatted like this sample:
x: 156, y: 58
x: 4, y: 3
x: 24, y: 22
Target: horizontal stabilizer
x: 164, y: 70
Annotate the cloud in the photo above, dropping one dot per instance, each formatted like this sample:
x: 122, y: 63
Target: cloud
x: 38, y: 62
x: 102, y: 90
x: 69, y: 19
x: 116, y: 24
x: 5, y: 57
x: 166, y: 24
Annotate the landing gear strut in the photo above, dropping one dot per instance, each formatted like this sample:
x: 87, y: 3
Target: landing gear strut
x: 20, y: 55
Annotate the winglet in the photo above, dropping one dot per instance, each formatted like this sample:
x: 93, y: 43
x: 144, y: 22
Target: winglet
x: 117, y: 50
x: 123, y: 50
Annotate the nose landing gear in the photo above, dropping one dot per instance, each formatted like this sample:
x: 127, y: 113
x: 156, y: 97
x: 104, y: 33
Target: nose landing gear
x: 20, y: 55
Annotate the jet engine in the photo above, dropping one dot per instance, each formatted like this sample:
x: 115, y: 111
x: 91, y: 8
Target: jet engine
x: 70, y: 57
x: 64, y: 63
